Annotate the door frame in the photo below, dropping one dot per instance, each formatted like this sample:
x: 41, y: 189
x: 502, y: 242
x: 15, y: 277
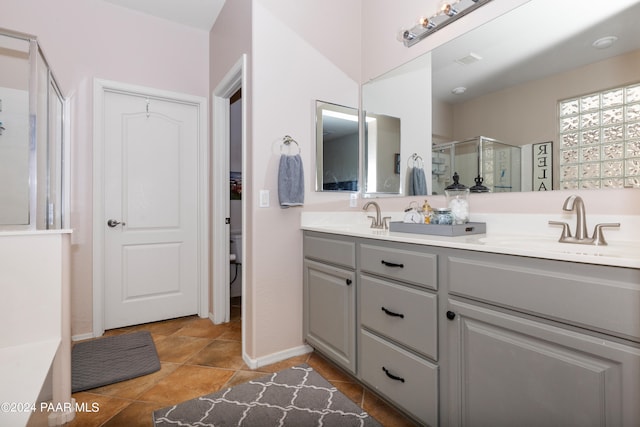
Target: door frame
x: 235, y: 79
x: 100, y: 87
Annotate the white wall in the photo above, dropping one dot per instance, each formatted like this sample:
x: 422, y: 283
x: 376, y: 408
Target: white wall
x: 291, y: 70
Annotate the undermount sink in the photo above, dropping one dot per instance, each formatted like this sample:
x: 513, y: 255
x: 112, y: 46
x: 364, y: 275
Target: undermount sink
x: 550, y: 244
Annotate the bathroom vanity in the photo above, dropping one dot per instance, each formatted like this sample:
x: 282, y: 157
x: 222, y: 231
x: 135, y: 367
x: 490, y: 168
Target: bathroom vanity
x: 455, y: 331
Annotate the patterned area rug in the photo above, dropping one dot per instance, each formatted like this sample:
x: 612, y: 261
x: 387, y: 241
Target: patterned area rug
x: 297, y: 396
x: 113, y: 359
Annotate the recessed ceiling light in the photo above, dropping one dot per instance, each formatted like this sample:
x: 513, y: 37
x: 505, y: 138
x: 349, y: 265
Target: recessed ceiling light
x: 458, y: 90
x: 604, y: 42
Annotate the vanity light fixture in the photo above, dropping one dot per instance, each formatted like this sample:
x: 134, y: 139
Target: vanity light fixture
x: 449, y: 11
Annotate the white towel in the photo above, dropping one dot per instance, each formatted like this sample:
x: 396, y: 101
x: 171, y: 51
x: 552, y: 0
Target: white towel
x: 290, y: 181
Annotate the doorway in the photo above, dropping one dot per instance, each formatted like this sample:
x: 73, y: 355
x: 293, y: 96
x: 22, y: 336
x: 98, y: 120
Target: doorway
x: 150, y: 206
x: 235, y: 198
x: 234, y: 81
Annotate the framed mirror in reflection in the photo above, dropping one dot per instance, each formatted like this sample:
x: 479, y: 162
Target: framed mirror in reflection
x: 508, y: 79
x: 382, y: 162
x: 337, y: 142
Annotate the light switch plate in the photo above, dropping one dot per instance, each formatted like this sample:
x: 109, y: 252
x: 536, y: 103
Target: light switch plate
x: 264, y: 198
x: 353, y: 200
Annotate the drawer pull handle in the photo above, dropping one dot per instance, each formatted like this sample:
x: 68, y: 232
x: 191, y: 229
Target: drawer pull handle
x: 451, y: 315
x: 348, y: 281
x: 391, y: 313
x: 392, y: 264
x: 393, y: 377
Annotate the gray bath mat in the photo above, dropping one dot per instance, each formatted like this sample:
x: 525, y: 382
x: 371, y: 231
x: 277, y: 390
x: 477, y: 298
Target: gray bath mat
x: 112, y: 359
x: 297, y: 396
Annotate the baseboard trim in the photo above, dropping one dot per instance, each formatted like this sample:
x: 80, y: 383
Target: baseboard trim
x: 82, y: 337
x: 275, y: 357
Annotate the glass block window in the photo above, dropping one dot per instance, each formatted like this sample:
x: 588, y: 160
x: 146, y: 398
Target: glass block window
x: 600, y: 139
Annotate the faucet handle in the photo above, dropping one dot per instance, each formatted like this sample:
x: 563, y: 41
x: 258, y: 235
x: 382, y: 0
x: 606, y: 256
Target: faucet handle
x: 566, y: 232
x: 385, y: 222
x: 374, y: 223
x: 598, y: 235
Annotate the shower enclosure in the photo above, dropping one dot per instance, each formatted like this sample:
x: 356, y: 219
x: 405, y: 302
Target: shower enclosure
x: 496, y: 162
x: 31, y: 138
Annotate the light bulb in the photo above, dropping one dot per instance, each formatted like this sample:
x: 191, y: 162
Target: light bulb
x: 426, y: 23
x: 447, y: 9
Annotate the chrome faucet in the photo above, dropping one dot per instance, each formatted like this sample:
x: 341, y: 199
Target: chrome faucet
x: 376, y: 221
x: 575, y: 203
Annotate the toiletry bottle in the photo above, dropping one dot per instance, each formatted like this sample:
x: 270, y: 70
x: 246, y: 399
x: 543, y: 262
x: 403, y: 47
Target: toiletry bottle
x: 426, y: 210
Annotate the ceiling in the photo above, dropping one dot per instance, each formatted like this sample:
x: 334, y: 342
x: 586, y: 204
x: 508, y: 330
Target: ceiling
x: 200, y: 14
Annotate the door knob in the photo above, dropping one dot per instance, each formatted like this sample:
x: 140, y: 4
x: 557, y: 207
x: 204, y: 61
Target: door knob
x: 112, y: 223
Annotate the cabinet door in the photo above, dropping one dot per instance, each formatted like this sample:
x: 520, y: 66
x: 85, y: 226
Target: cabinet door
x: 506, y: 371
x: 330, y: 312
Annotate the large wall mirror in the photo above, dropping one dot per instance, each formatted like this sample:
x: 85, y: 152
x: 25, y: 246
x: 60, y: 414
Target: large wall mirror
x: 504, y: 81
x: 337, y: 142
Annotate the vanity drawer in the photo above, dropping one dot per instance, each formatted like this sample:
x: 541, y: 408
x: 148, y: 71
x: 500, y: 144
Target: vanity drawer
x: 398, y: 262
x: 406, y: 315
x: 596, y: 297
x: 330, y: 249
x: 407, y: 380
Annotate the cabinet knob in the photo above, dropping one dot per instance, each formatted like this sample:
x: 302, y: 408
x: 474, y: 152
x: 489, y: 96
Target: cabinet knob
x: 451, y: 315
x: 348, y: 282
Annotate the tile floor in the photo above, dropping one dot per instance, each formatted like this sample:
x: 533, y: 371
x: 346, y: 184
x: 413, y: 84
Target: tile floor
x: 198, y: 358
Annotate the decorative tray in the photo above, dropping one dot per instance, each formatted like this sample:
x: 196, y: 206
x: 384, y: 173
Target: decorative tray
x: 439, y: 229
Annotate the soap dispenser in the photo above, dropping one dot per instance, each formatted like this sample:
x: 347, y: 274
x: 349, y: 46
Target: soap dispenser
x: 457, y: 200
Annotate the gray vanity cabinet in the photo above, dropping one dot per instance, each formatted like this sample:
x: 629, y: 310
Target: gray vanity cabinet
x: 468, y: 338
x: 329, y: 298
x: 398, y: 326
x: 526, y: 347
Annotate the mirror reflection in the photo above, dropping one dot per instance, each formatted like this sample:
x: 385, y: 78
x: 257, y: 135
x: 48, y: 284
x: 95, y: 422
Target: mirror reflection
x: 483, y: 165
x: 506, y: 79
x: 402, y: 94
x: 337, y: 152
x: 382, y: 153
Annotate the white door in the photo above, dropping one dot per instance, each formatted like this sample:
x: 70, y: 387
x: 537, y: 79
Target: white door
x: 151, y: 209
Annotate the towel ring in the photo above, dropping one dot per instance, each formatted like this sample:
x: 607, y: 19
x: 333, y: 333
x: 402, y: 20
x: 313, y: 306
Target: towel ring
x: 287, y: 140
x: 414, y: 160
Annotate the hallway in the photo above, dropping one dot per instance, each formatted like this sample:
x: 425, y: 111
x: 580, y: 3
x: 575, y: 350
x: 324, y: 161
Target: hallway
x: 199, y: 358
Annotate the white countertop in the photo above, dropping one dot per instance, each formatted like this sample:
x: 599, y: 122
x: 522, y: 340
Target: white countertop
x: 499, y: 238
x: 24, y: 369
x: 9, y: 233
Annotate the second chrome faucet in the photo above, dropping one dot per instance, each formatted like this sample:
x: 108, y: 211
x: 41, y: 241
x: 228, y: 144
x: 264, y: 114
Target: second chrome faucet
x: 575, y: 203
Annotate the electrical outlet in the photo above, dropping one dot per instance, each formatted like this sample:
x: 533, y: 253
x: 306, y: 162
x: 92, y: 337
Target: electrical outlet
x: 264, y: 198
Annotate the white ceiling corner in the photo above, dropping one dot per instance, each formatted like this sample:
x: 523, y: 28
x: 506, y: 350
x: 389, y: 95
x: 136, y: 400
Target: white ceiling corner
x: 200, y: 14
